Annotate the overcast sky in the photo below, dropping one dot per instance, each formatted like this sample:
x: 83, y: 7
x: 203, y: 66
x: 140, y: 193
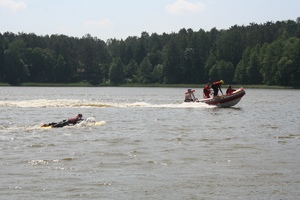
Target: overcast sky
x: 119, y: 19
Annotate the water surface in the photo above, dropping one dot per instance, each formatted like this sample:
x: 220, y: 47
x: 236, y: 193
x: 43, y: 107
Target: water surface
x: 151, y: 146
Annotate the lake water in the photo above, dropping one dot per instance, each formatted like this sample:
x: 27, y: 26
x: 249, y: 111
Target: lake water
x: 149, y: 146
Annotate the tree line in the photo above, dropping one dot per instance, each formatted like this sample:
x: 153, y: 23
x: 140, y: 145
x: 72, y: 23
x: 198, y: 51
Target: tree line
x: 266, y: 53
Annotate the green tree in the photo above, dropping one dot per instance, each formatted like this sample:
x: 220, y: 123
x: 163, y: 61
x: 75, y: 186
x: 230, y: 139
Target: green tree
x: 172, y: 63
x: 157, y: 74
x: 188, y: 66
x: 201, y: 45
x: 130, y: 71
x: 269, y: 62
x: 214, y: 73
x: 144, y: 71
x: 42, y: 64
x: 1, y: 58
x: 62, y: 74
x: 222, y: 70
x: 240, y: 73
x: 295, y: 75
x: 116, y: 74
x: 226, y: 70
x: 210, y: 63
x: 15, y: 69
x: 289, y: 64
x: 230, y: 45
x: 252, y: 71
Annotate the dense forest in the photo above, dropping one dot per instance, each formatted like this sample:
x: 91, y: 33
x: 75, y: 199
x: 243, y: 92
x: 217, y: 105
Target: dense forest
x: 267, y: 54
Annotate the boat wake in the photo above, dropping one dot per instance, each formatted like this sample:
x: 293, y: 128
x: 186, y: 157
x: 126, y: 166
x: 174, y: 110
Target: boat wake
x: 89, y: 122
x: 69, y: 103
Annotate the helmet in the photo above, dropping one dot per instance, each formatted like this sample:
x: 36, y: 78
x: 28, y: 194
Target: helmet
x: 221, y: 81
x: 79, y: 115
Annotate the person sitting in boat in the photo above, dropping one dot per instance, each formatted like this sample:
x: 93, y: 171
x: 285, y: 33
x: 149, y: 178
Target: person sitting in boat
x: 216, y: 86
x: 188, y: 95
x: 206, y: 91
x: 229, y: 90
x: 71, y: 121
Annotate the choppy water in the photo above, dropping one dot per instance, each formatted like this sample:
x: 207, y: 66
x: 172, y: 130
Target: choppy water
x: 151, y: 146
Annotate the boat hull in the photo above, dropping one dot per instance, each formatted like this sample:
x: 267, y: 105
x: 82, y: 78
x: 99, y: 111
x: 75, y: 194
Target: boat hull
x: 225, y: 101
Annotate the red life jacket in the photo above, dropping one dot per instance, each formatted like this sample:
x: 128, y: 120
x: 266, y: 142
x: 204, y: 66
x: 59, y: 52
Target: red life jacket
x: 229, y: 91
x: 206, y: 91
x: 217, y: 83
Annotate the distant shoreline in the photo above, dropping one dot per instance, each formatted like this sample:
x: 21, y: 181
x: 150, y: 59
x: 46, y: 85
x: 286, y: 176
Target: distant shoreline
x: 141, y: 85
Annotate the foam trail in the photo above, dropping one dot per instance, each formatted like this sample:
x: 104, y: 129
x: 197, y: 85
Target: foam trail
x: 65, y: 103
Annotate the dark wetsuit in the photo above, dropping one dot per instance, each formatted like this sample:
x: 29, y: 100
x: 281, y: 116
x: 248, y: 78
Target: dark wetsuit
x: 216, y: 86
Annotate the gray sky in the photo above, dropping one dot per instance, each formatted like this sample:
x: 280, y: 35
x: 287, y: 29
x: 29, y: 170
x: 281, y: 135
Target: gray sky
x: 119, y: 19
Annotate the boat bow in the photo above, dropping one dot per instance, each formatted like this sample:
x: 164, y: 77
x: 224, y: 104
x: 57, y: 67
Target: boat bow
x: 227, y: 100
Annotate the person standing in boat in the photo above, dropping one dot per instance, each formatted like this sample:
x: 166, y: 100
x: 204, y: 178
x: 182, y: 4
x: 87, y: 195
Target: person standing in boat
x: 229, y: 90
x: 206, y: 91
x: 216, y: 86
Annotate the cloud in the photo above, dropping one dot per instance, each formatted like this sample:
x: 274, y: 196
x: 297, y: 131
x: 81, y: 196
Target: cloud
x: 184, y: 7
x: 98, y: 23
x: 12, y: 5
